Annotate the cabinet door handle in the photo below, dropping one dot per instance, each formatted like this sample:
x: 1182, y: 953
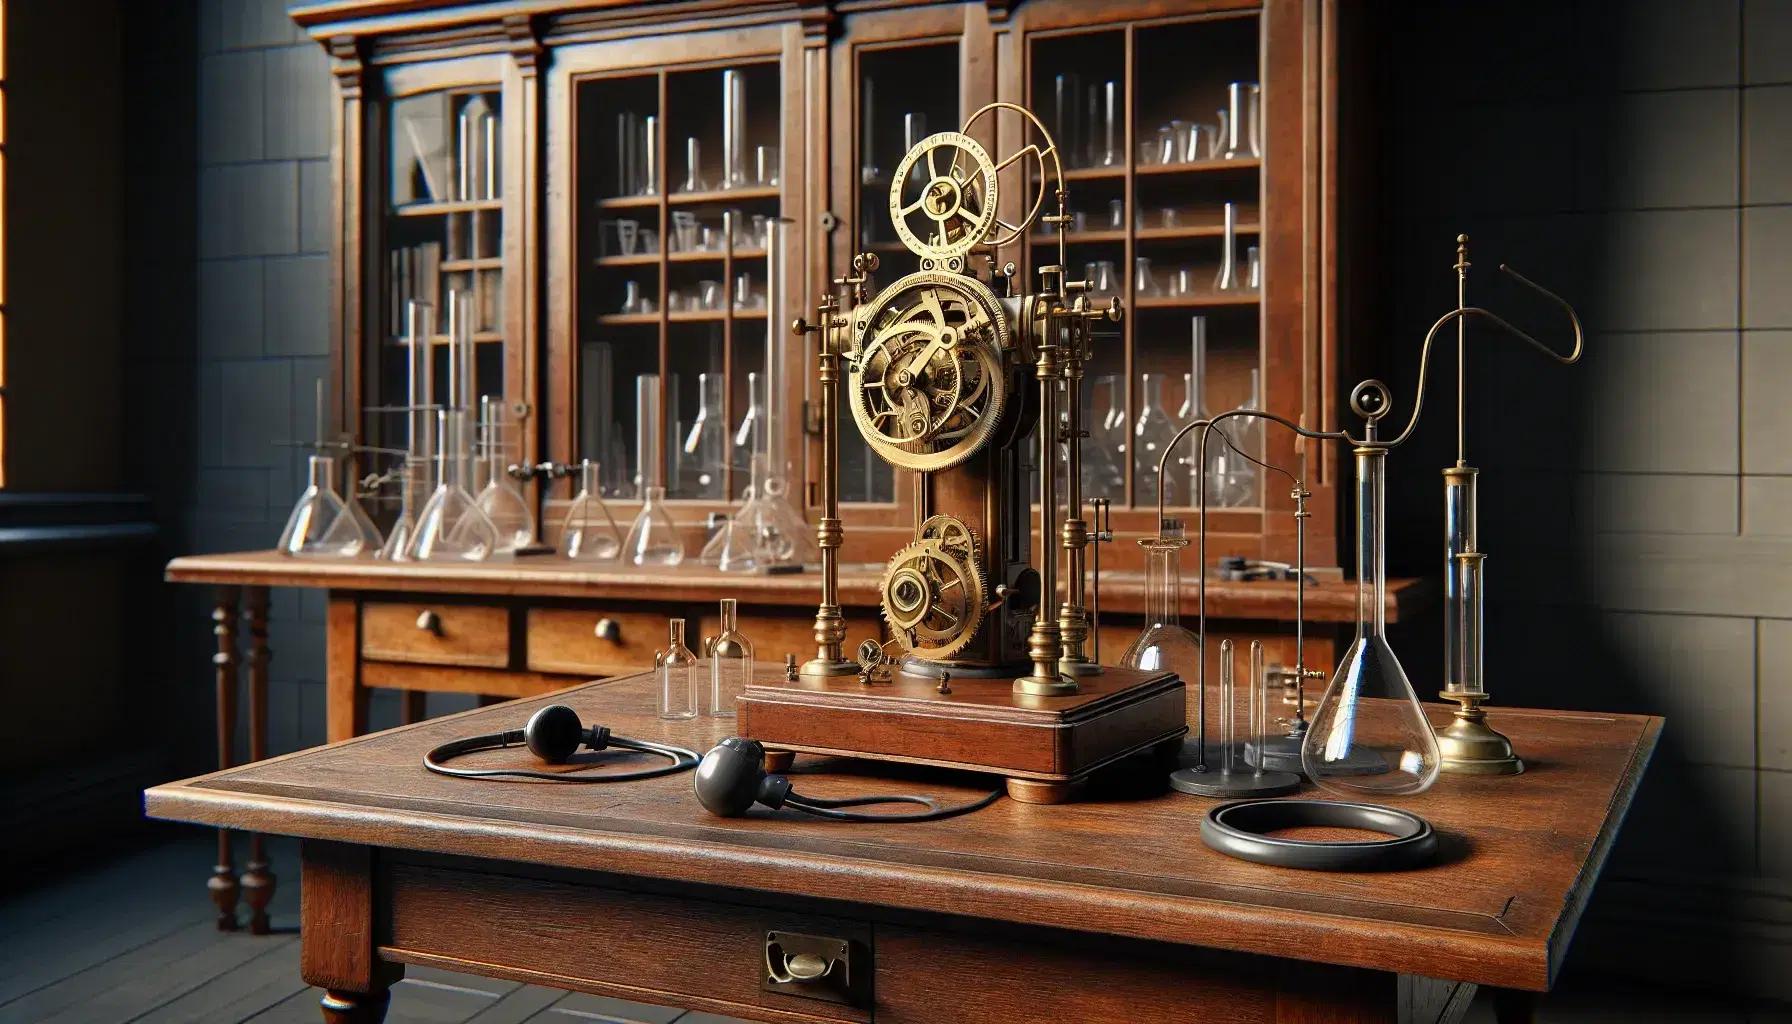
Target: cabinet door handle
x: 608, y: 629
x: 806, y: 967
x: 430, y: 622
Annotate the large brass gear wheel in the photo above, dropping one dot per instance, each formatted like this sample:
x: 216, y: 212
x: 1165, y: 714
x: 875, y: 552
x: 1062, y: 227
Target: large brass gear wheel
x: 925, y: 382
x: 947, y: 183
x: 933, y: 598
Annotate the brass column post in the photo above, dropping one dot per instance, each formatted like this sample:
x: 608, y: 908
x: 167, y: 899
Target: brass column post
x: 1043, y: 643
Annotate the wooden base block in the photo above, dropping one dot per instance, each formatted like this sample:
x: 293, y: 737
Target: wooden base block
x: 1040, y: 744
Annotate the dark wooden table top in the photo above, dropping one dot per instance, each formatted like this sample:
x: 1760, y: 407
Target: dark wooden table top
x: 1520, y: 854
x: 1326, y: 601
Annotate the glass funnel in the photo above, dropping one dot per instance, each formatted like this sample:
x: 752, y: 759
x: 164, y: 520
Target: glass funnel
x: 501, y: 499
x: 1369, y: 735
x: 730, y: 663
x: 353, y: 532
x: 750, y: 436
x: 308, y: 532
x: 654, y: 538
x: 703, y: 452
x: 452, y: 526
x: 589, y: 533
x: 1152, y: 434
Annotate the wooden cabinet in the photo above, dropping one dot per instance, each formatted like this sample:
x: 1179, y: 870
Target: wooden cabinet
x: 618, y: 315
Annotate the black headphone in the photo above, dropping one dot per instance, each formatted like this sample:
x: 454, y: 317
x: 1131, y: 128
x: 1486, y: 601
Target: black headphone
x: 732, y: 778
x: 554, y: 734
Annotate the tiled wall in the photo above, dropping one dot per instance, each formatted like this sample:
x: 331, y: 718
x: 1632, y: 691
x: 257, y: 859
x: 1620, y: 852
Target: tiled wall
x: 1636, y: 157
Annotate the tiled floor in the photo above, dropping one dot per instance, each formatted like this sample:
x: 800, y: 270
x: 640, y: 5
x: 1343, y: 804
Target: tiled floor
x: 132, y: 940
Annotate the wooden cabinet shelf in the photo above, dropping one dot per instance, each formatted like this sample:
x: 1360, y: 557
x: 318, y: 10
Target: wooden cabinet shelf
x: 437, y: 209
x: 1241, y: 164
x: 728, y: 195
x: 1198, y: 301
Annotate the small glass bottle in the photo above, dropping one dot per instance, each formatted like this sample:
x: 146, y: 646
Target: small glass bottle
x: 589, y: 532
x: 677, y: 668
x: 730, y: 663
x: 1369, y: 735
x: 307, y: 532
x: 654, y: 539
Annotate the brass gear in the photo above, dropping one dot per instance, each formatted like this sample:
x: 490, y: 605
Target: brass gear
x: 932, y: 599
x: 957, y: 204
x: 925, y: 382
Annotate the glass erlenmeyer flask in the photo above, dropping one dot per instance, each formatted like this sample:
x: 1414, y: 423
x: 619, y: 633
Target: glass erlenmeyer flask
x: 1144, y: 282
x: 1151, y: 435
x: 452, y: 526
x: 308, y: 527
x: 589, y: 533
x: 654, y: 538
x: 730, y: 663
x: 398, y: 540
x: 703, y: 452
x: 1234, y: 478
x: 501, y: 499
x: 354, y: 532
x: 1164, y: 645
x: 1369, y: 735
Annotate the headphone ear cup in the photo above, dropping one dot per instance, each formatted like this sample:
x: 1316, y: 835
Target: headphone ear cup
x: 728, y: 780
x: 554, y: 733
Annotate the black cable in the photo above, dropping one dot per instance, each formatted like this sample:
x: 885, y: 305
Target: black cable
x: 683, y: 760
x: 825, y: 808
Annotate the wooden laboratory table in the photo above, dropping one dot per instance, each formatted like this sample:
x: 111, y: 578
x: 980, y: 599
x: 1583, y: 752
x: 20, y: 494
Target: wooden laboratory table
x: 519, y: 627
x: 1105, y: 910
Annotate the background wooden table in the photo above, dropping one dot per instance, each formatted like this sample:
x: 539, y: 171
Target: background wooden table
x: 1110, y: 909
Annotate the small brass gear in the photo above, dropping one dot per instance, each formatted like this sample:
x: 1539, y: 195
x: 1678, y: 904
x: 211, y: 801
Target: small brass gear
x: 953, y: 535
x: 933, y: 598
x: 956, y: 205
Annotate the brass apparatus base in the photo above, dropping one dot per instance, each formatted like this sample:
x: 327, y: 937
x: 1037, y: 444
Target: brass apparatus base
x: 1470, y: 746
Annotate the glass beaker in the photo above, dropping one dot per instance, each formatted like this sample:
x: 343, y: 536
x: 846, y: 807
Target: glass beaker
x: 1166, y: 141
x: 677, y: 668
x: 1116, y: 214
x: 1369, y: 735
x: 307, y: 531
x: 1152, y: 433
x: 649, y: 163
x: 734, y: 128
x: 1144, y: 282
x: 654, y: 537
x: 1254, y: 119
x: 1100, y: 275
x: 1111, y: 154
x: 589, y: 533
x: 501, y: 499
x: 704, y: 451
x: 730, y: 663
x: 684, y: 231
x: 765, y: 165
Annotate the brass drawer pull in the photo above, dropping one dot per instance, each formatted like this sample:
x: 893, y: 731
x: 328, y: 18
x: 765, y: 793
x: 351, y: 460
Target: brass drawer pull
x: 430, y: 622
x: 816, y: 967
x: 608, y: 629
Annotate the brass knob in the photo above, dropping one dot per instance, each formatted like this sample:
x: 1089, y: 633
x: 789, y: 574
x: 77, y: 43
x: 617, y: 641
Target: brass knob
x: 430, y: 622
x: 608, y: 629
x: 806, y: 967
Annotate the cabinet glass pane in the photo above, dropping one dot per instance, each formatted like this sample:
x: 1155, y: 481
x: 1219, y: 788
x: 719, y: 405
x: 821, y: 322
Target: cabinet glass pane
x: 682, y: 170
x: 443, y: 235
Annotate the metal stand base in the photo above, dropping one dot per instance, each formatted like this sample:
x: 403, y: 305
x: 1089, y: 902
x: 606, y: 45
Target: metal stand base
x: 824, y: 669
x: 1283, y: 751
x: 1230, y: 785
x: 1079, y: 668
x: 1041, y: 686
x: 1470, y: 746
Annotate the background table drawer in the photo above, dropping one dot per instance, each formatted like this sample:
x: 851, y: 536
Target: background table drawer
x: 436, y: 634
x: 566, y: 640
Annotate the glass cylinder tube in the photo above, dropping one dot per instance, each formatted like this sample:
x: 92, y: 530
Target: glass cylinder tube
x: 1110, y: 126
x: 650, y: 156
x: 1459, y: 537
x: 1228, y: 710
x: 488, y: 131
x: 914, y: 129
x: 677, y: 668
x: 1369, y: 734
x: 730, y: 663
x: 648, y: 462
x: 1254, y: 118
x: 868, y: 169
x: 765, y: 165
x: 589, y: 533
x: 734, y: 128
x: 693, y: 175
x: 1227, y: 278
x: 1236, y: 142
x: 1259, y: 703
x: 1467, y: 677
x: 1253, y: 268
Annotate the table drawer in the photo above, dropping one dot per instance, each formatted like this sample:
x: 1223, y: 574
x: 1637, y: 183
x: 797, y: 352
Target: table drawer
x: 567, y: 640
x: 436, y: 633
x: 652, y: 948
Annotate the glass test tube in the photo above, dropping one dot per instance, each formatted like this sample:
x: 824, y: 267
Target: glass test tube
x: 1459, y: 537
x: 1228, y: 711
x: 648, y: 460
x: 1259, y: 709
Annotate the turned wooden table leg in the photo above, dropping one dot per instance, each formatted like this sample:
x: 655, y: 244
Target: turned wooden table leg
x: 223, y: 883
x: 412, y: 707
x: 258, y: 877
x: 337, y: 951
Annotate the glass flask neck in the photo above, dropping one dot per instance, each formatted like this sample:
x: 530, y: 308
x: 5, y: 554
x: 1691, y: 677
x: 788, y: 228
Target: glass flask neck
x: 655, y: 495
x: 1371, y: 538
x: 323, y: 472
x: 588, y: 477
x: 729, y: 619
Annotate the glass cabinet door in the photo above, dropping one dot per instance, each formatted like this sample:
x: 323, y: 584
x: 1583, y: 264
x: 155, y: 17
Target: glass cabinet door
x: 679, y: 185
x: 1159, y: 128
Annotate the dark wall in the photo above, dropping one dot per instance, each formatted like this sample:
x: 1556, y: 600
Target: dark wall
x: 1634, y: 158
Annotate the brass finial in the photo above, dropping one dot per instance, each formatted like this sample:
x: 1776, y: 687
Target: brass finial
x: 1461, y: 255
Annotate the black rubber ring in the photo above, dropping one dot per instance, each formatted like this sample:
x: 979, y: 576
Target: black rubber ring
x: 1238, y: 830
